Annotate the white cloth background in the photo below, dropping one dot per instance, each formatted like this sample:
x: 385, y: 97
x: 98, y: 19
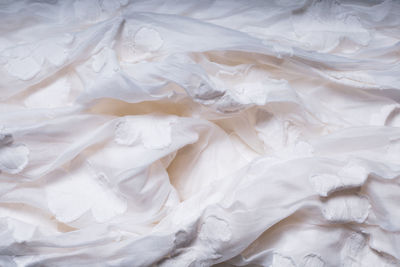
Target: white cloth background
x: 195, y: 133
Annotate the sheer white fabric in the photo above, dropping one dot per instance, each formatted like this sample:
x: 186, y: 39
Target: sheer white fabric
x: 195, y: 133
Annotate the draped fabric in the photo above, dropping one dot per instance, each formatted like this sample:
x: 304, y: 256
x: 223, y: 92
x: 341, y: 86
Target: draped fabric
x: 199, y: 133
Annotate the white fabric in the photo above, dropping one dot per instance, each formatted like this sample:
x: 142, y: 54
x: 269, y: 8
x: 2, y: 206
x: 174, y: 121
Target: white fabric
x: 195, y: 133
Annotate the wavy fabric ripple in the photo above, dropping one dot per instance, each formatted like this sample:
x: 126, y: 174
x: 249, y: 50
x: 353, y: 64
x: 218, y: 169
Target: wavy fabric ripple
x: 199, y: 133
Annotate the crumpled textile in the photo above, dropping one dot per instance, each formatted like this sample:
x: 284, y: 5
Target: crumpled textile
x: 199, y: 133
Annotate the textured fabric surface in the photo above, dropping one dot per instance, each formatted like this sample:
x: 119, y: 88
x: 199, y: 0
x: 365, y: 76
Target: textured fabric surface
x: 199, y: 133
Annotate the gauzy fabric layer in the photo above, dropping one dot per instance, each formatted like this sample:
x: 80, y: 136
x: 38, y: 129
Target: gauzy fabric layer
x: 199, y: 133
